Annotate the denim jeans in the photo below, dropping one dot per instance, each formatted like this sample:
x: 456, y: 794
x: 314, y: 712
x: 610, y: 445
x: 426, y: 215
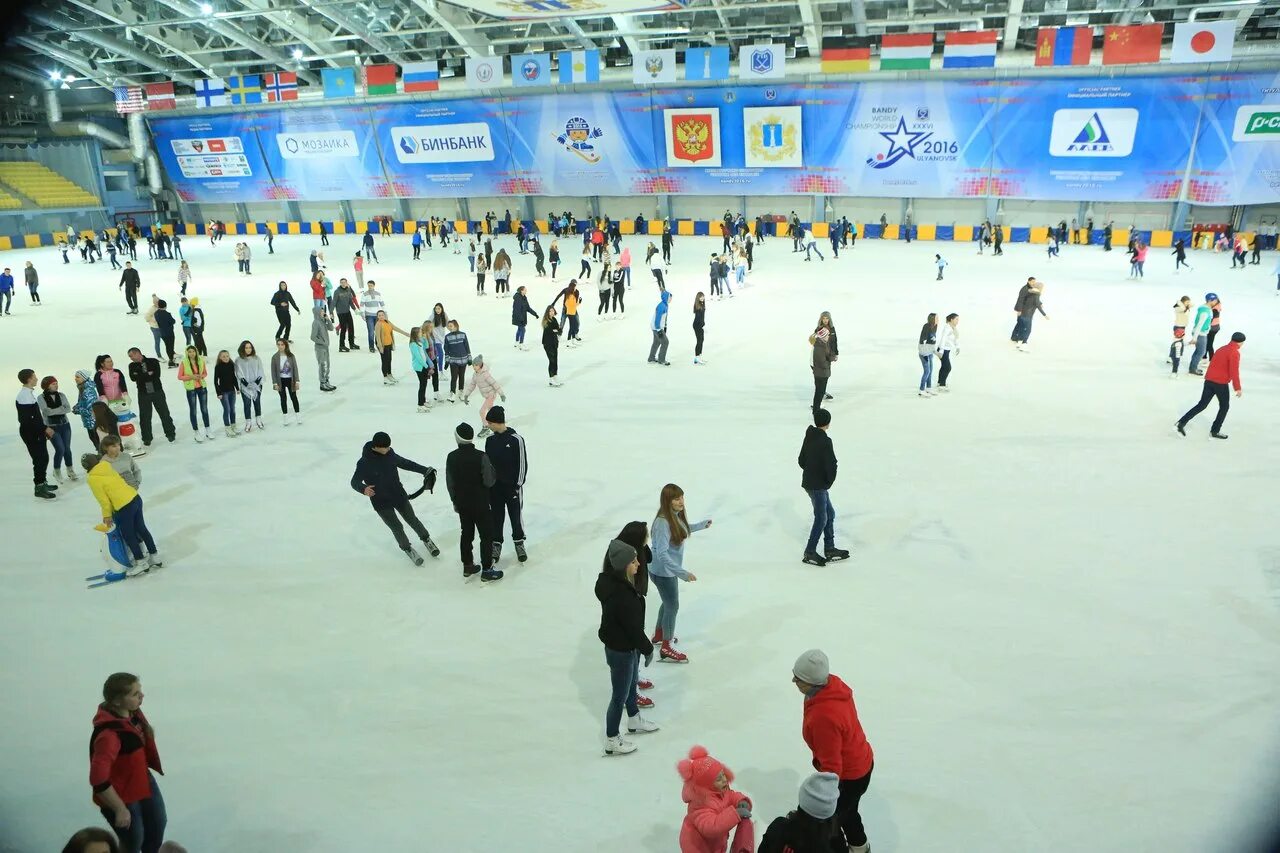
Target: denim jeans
x: 155, y: 333
x: 812, y: 246
x: 520, y: 334
x: 824, y: 520
x: 1202, y: 341
x: 1022, y: 330
x: 146, y: 829
x: 254, y: 403
x: 198, y: 396
x: 371, y: 320
x: 228, y: 401
x: 133, y: 528
x: 624, y: 670
x: 61, y: 442
x: 926, y: 375
x: 669, y: 592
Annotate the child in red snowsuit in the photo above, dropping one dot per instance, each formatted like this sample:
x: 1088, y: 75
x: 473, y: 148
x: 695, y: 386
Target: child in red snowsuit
x: 715, y: 809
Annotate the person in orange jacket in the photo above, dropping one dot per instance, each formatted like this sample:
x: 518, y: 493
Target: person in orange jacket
x: 835, y: 736
x: 1224, y: 369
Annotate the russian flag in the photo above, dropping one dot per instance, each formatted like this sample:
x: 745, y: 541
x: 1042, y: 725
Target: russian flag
x: 579, y: 66
x: 973, y: 49
x: 420, y: 76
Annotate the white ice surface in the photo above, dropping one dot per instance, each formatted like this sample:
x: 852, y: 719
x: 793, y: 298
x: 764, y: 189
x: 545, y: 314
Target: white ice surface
x: 1061, y: 620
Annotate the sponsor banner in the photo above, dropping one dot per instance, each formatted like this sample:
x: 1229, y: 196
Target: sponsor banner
x: 469, y: 142
x: 1237, y: 157
x: 1257, y: 123
x: 772, y: 137
x: 213, y: 158
x: 1101, y: 132
x: 326, y: 144
x: 448, y: 148
x: 208, y: 145
x: 322, y: 153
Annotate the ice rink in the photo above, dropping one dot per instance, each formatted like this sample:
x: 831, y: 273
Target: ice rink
x: 1061, y: 620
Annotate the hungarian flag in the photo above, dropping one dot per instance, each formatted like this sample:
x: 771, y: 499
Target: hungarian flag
x: 843, y: 54
x: 1132, y: 45
x: 281, y: 86
x: 380, y: 79
x: 905, y: 51
x: 160, y: 96
x: 1064, y: 46
x: 1203, y: 41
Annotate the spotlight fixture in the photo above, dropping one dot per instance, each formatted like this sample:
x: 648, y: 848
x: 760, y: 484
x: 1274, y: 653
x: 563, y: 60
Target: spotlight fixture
x: 206, y: 9
x: 54, y: 75
x: 297, y: 53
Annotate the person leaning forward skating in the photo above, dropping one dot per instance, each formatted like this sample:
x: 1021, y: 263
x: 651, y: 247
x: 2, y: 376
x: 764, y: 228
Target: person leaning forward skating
x: 469, y: 476
x: 1224, y: 370
x: 377, y: 477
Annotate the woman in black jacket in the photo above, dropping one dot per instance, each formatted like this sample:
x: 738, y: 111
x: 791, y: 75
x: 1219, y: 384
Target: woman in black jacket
x: 623, y: 635
x: 636, y: 534
x: 521, y: 311
x: 227, y: 388
x: 282, y: 299
x: 551, y: 344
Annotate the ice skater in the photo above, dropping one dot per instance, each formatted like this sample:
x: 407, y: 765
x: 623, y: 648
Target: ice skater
x: 622, y: 633
x: 482, y: 379
x: 457, y: 355
x: 818, y: 463
x: 377, y: 477
x: 551, y: 345
x: 658, y: 349
x: 55, y: 410
x: 941, y: 264
x: 35, y: 434
x: 1180, y: 256
x: 285, y: 380
x: 668, y: 531
x: 193, y: 373
x: 820, y: 363
x: 469, y: 477
x: 699, y: 326
x: 948, y: 346
x: 1026, y: 306
x: 282, y: 301
x: 718, y: 818
x: 321, y: 326
x: 809, y: 827
x: 506, y: 451
x: 249, y: 378
x: 121, y: 505
x: 1224, y: 370
x: 926, y: 348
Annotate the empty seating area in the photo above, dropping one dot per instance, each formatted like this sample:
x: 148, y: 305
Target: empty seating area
x: 8, y: 202
x: 43, y: 186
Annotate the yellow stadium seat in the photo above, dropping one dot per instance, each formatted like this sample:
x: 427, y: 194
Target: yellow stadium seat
x: 43, y: 186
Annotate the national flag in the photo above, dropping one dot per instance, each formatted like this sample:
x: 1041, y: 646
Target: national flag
x: 531, y: 69
x: 129, y: 99
x: 338, y: 82
x: 905, y: 51
x: 160, y: 96
x: 653, y: 66
x: 211, y: 92
x: 1064, y: 46
x: 380, y: 79
x: 421, y: 76
x: 485, y: 72
x: 1132, y: 45
x: 579, y: 66
x: 969, y: 49
x: 842, y: 55
x: 246, y: 89
x: 706, y: 63
x: 1203, y: 41
x: 281, y: 86
x: 762, y: 61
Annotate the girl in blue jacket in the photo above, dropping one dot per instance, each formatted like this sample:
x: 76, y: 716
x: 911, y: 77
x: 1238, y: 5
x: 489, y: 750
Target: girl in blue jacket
x: 422, y: 359
x: 669, y: 530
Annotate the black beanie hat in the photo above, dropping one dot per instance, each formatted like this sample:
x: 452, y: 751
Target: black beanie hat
x: 1238, y: 337
x: 381, y: 439
x: 821, y: 417
x: 496, y: 416
x: 464, y: 433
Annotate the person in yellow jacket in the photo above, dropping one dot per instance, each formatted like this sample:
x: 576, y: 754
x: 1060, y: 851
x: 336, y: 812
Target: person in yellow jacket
x: 194, y: 374
x: 121, y: 504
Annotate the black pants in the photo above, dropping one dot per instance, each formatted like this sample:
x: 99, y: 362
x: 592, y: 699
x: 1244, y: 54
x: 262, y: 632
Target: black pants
x: 946, y: 368
x: 286, y: 324
x: 657, y: 274
x: 475, y: 520
x: 618, y: 303
x: 38, y: 446
x: 147, y: 402
x: 819, y: 391
x: 604, y: 302
x: 424, y: 376
x: 553, y: 353
x: 131, y: 298
x: 169, y: 347
x: 346, y: 331
x: 1211, y: 390
x: 286, y: 387
x: 417, y: 251
x: 457, y: 378
x: 201, y: 347
x: 666, y: 254
x: 697, y: 335
x: 1213, y: 333
x: 479, y: 282
x: 507, y: 500
x: 389, y: 518
x: 538, y: 267
x: 324, y: 238
x: 851, y: 832
x: 386, y: 360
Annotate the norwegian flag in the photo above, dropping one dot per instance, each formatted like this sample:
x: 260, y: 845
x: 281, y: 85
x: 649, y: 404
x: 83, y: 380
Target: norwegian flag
x: 281, y: 86
x: 129, y: 99
x: 160, y: 96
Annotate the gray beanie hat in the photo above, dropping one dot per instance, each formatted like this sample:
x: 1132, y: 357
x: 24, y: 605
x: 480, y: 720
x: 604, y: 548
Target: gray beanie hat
x: 477, y: 360
x: 620, y: 555
x: 812, y: 668
x: 818, y: 795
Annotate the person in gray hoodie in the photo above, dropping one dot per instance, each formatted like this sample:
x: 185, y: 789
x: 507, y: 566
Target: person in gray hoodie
x: 321, y: 326
x: 344, y: 299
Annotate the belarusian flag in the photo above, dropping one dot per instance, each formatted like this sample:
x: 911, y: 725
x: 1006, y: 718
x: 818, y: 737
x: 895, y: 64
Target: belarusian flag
x: 380, y: 79
x: 905, y: 51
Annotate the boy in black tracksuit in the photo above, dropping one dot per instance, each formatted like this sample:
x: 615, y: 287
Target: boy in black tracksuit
x: 818, y: 461
x: 35, y: 433
x: 469, y: 476
x: 146, y: 375
x: 377, y: 477
x: 505, y: 449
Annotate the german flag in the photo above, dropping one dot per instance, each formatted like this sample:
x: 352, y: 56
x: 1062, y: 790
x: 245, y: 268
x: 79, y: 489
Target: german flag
x: 844, y: 54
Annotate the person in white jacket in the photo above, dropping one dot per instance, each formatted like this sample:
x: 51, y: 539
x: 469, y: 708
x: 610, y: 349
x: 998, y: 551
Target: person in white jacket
x: 948, y: 345
x: 481, y: 378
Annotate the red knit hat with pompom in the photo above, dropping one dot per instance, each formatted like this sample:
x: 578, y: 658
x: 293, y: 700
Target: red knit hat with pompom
x: 701, y: 769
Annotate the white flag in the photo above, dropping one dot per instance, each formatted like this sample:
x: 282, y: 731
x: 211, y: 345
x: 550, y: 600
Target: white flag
x: 485, y: 72
x: 654, y: 66
x: 1203, y: 41
x: 762, y: 61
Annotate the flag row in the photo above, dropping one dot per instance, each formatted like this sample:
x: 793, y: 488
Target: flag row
x: 1194, y: 41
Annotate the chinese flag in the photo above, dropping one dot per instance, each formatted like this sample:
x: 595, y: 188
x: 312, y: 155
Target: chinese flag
x: 1132, y: 45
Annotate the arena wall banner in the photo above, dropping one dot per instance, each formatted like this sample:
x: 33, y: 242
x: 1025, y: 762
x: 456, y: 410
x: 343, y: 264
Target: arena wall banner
x: 439, y: 149
x: 1092, y: 139
x: 1237, y: 157
x: 321, y: 154
x: 214, y: 158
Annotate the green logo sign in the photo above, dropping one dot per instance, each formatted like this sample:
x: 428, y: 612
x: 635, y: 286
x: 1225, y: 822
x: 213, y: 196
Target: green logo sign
x: 1262, y: 123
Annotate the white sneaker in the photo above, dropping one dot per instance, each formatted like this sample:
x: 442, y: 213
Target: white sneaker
x: 199, y: 438
x: 437, y: 398
x: 638, y: 725
x: 618, y: 746
x: 248, y: 427
x: 921, y: 394
x: 386, y: 380
x: 943, y: 389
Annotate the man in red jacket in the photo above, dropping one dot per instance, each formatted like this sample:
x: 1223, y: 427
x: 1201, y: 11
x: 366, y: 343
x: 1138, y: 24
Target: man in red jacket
x: 1224, y: 368
x: 839, y: 746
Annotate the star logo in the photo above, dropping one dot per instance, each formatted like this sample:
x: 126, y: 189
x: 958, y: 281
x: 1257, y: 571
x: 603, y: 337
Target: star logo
x: 902, y: 143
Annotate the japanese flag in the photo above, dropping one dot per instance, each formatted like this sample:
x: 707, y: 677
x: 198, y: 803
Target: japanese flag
x: 1203, y: 41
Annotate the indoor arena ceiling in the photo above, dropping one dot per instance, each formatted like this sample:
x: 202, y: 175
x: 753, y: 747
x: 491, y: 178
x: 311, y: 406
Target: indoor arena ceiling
x: 97, y: 43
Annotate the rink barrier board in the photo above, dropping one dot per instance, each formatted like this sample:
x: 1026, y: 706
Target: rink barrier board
x: 1157, y: 239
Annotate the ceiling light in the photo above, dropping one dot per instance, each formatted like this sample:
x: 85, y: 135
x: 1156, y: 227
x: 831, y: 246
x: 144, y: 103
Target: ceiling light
x: 297, y: 53
x: 206, y: 9
x: 54, y: 75
x: 70, y: 78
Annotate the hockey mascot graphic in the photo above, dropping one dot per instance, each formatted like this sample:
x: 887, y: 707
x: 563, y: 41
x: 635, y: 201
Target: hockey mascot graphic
x: 576, y: 138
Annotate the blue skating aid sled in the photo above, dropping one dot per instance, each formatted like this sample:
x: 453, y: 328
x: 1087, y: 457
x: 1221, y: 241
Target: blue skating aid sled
x: 116, y: 556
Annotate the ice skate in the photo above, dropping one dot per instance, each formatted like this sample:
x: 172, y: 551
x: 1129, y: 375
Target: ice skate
x: 1181, y: 428
x: 230, y: 431
x: 453, y: 397
x: 208, y: 433
x: 644, y: 684
x: 833, y: 554
x: 386, y: 380
x: 491, y: 575
x: 248, y: 427
x: 1218, y: 435
x: 643, y: 702
x: 469, y: 570
x: 199, y: 438
x: 638, y: 725
x: 297, y: 418
x: 521, y: 554
x: 813, y: 558
x: 258, y: 422
x: 432, y: 548
x: 284, y: 419
x: 413, y: 555
x: 57, y: 474
x: 437, y: 398
x: 154, y: 561
x: 555, y: 382
x: 485, y: 432
x: 668, y: 654
x: 497, y: 552
x: 424, y: 409
x: 72, y: 475
x: 617, y: 746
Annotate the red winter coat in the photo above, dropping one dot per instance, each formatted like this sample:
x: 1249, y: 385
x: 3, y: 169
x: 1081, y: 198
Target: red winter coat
x: 120, y: 754
x: 317, y: 287
x: 833, y: 733
x: 711, y: 817
x: 1224, y: 367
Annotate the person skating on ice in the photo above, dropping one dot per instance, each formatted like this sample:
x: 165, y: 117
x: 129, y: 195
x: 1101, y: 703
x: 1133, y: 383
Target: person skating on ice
x: 1215, y: 322
x: 384, y: 332
x: 282, y: 300
x: 833, y: 342
x: 817, y: 461
x: 619, y: 278
x: 810, y: 828
x: 433, y: 348
x: 636, y: 534
x: 622, y: 634
x: 226, y: 389
x: 506, y: 451
x: 368, y: 249
x: 286, y: 381
x: 122, y: 506
x: 1224, y: 370
x: 699, y: 326
x: 658, y: 326
x: 713, y: 275
x: 551, y: 345
x: 820, y: 363
x: 35, y: 434
x: 1181, y: 313
x: 469, y: 477
x: 345, y: 301
x: 926, y: 348
x: 321, y: 326
x: 86, y: 396
x: 482, y: 267
x: 184, y: 278
x: 1026, y: 306
x: 501, y: 274
x: 249, y: 380
x: 148, y: 378
x: 184, y: 317
x: 422, y: 362
x: 948, y: 348
x: 126, y: 466
x: 481, y: 378
x: 129, y: 283
x: 604, y: 287
x: 457, y: 355
x: 668, y: 532
x: 941, y: 264
x: 122, y: 758
x: 1200, y: 327
x: 571, y: 299
x: 193, y: 373
x: 521, y: 311
x: 1180, y: 256
x: 197, y: 327
x: 377, y: 477
x: 656, y: 268
x: 834, y: 735
x: 55, y: 411
x: 997, y: 240
x: 718, y: 818
x: 32, y: 279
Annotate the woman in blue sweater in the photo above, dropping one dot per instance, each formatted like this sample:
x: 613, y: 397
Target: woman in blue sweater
x: 457, y: 354
x: 667, y: 534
